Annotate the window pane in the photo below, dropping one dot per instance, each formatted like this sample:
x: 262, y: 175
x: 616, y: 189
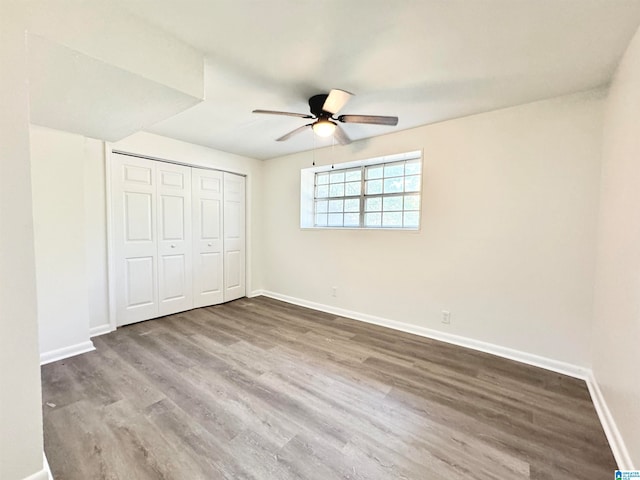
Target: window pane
x: 393, y: 185
x: 321, y: 220
x: 411, y: 219
x: 412, y: 184
x: 322, y: 178
x: 322, y: 191
x: 335, y: 220
x: 352, y: 205
x: 374, y: 187
x: 351, y: 220
x: 390, y: 196
x: 336, y: 190
x: 337, y: 177
x: 352, y: 188
x: 412, y: 202
x: 373, y: 204
x: 390, y: 204
x: 394, y: 170
x: 372, y: 219
x: 374, y: 172
x: 335, y: 205
x: 321, y: 206
x: 353, y: 175
x: 412, y: 167
x: 392, y: 219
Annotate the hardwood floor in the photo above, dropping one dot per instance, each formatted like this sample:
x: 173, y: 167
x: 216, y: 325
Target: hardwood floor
x: 260, y: 389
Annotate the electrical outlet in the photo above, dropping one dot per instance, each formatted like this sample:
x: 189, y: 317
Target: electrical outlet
x: 334, y: 291
x: 446, y: 317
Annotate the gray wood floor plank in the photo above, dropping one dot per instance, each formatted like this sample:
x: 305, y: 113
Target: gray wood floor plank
x: 259, y: 389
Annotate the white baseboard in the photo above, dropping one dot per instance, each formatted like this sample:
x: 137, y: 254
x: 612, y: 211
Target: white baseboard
x: 66, y: 352
x: 100, y: 330
x: 616, y: 442
x: 255, y: 293
x: 43, y: 474
x: 46, y: 467
x: 519, y: 356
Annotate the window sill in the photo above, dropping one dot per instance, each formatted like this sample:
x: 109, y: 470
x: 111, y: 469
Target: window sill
x: 369, y: 229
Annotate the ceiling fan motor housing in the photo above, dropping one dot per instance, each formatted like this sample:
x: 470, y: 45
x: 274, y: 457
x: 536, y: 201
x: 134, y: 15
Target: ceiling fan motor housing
x: 315, y: 105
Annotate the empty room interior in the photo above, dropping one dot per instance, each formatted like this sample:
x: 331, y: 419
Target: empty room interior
x: 326, y: 239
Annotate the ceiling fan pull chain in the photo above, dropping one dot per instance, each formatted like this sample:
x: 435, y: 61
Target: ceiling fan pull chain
x: 333, y: 144
x: 314, y: 150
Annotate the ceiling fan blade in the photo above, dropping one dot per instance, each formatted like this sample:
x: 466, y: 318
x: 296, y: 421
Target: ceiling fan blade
x: 336, y: 100
x: 288, y: 114
x: 371, y: 119
x: 287, y: 136
x: 341, y: 136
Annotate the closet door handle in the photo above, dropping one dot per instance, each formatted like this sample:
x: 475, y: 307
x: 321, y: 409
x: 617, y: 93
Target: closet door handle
x: 209, y: 244
x: 173, y: 246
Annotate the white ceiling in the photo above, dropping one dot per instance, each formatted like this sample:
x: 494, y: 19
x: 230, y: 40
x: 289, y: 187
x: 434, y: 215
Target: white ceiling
x: 422, y: 60
x: 76, y: 93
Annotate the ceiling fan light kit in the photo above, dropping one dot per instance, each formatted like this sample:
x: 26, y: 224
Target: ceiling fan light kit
x: 323, y: 107
x: 324, y: 128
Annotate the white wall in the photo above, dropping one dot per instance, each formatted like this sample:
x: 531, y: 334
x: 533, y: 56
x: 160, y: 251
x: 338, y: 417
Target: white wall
x: 507, y: 242
x: 616, y: 333
x: 57, y: 169
x: 20, y: 397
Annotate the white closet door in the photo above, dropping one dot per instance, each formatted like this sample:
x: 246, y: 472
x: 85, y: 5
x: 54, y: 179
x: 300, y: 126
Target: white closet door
x: 207, y: 237
x: 174, y: 238
x: 134, y: 240
x: 234, y: 236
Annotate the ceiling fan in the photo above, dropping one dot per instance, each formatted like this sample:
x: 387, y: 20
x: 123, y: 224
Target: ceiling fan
x: 323, y: 109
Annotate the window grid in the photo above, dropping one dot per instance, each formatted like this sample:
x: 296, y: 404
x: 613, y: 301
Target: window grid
x: 384, y: 195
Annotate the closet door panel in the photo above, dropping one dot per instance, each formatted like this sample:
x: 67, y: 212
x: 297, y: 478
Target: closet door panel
x: 207, y: 237
x: 134, y: 239
x: 234, y: 236
x: 139, y: 281
x: 174, y: 238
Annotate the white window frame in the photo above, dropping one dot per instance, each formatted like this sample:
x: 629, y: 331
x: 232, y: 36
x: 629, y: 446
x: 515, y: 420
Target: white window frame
x: 308, y: 192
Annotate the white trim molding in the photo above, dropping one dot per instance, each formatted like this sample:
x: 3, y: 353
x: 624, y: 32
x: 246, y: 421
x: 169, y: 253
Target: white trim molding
x: 111, y: 278
x: 100, y: 330
x: 616, y: 442
x: 66, y: 352
x: 39, y: 475
x: 46, y: 467
x: 505, y: 352
x: 44, y: 474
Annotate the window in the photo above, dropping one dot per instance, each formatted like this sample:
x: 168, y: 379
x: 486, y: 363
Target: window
x: 370, y: 195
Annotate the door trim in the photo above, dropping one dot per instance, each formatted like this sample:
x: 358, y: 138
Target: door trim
x: 175, y: 162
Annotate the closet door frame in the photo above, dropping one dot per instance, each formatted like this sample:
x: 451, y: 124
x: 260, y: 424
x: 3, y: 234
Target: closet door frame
x: 109, y: 151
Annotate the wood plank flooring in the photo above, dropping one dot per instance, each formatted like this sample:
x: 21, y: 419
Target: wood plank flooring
x: 260, y: 389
